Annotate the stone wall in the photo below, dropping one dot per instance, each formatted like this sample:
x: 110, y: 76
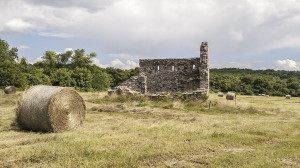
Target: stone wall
x: 173, y: 75
x: 204, y: 67
x: 136, y: 83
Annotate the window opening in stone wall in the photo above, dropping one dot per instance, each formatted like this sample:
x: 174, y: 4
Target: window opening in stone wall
x: 158, y: 68
x: 194, y: 66
x: 173, y: 68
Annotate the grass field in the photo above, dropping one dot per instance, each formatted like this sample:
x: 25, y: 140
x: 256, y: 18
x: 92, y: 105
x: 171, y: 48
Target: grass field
x: 137, y: 132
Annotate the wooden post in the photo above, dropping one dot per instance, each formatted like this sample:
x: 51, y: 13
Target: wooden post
x: 235, y: 98
x: 209, y: 105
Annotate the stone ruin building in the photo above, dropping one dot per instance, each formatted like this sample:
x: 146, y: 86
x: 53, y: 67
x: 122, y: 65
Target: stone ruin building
x: 185, y: 75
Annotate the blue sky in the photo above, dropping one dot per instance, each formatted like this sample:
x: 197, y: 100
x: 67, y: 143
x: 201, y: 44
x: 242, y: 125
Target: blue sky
x: 256, y: 34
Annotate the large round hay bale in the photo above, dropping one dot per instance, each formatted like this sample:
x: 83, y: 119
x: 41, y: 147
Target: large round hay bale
x: 230, y: 96
x: 220, y: 94
x: 288, y: 96
x: 50, y: 109
x: 10, y: 90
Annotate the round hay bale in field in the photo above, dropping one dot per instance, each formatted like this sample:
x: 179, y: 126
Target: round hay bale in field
x: 50, y: 109
x: 230, y: 96
x: 220, y: 94
x: 288, y: 96
x: 10, y: 90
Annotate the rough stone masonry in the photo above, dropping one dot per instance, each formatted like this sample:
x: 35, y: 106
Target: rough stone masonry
x: 190, y: 75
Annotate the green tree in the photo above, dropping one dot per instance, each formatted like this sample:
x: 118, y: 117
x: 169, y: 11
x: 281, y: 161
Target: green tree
x: 49, y: 60
x: 248, y: 80
x: 82, y: 78
x: 11, y: 75
x: 24, y: 62
x: 63, y: 58
x: 260, y: 85
x: 37, y: 78
x: 118, y: 75
x: 10, y: 72
x: 6, y: 54
x: 293, y: 84
x: 100, y: 80
x: 34, y: 76
x: 61, y: 77
x: 80, y: 59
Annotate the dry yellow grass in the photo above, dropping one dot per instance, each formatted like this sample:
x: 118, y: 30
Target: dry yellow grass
x: 137, y: 132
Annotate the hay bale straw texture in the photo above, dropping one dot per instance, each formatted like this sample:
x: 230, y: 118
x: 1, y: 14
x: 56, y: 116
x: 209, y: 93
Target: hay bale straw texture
x: 50, y: 109
x: 230, y: 96
x: 288, y: 96
x: 220, y: 94
x: 10, y: 90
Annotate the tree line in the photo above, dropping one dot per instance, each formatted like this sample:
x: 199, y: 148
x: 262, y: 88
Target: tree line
x: 76, y: 69
x: 249, y: 82
x: 68, y: 69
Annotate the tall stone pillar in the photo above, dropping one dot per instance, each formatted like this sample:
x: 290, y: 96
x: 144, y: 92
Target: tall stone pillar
x: 204, y: 68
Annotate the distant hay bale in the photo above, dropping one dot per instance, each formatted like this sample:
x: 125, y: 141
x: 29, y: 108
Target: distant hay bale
x: 220, y: 94
x: 50, y: 109
x: 10, y: 90
x: 230, y: 96
x: 288, y: 96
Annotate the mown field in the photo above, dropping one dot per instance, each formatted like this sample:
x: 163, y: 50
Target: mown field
x: 137, y: 132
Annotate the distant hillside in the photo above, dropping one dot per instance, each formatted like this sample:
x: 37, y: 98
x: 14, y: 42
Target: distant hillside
x: 248, y: 82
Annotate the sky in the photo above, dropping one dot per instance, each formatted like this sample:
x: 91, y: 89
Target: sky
x: 254, y: 34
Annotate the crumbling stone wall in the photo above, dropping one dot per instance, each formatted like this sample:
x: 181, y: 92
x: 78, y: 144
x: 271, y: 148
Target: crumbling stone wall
x: 204, y: 68
x: 136, y: 83
x: 173, y: 75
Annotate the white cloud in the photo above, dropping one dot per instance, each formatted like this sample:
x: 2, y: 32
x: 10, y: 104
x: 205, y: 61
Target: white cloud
x: 21, y: 47
x: 68, y: 49
x: 91, y: 5
x: 52, y: 34
x: 287, y: 64
x: 237, y: 35
x: 131, y: 64
x: 262, y: 68
x: 116, y: 64
x: 27, y: 17
x: 38, y: 59
x: 16, y: 26
x: 164, y: 27
x: 232, y: 64
x: 96, y: 61
x: 125, y: 56
x: 161, y: 28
